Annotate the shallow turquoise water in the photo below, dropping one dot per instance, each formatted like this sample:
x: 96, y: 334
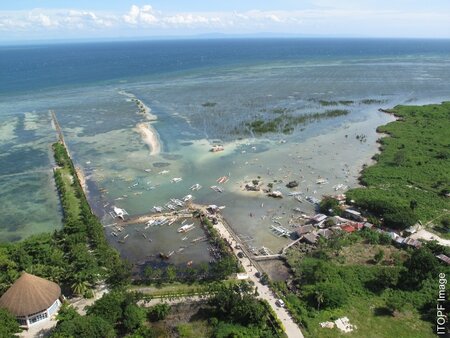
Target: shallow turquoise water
x: 99, y: 126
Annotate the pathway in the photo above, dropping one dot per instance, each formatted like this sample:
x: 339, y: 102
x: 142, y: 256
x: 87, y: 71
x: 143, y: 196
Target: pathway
x: 291, y: 328
x: 429, y: 236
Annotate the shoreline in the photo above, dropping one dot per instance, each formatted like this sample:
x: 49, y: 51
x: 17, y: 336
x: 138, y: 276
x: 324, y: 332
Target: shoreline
x: 150, y: 137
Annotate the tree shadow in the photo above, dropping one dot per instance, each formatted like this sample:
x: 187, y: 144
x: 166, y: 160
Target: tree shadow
x: 382, y: 311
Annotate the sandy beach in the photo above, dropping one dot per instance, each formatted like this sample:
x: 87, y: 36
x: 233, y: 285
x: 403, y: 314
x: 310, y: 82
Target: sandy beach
x: 149, y: 136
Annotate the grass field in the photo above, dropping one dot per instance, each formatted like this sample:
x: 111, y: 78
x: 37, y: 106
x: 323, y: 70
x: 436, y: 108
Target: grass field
x: 371, y: 321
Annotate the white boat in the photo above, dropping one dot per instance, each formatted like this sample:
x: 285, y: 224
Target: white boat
x: 186, y: 227
x: 177, y: 202
x: 185, y: 238
x: 216, y: 148
x: 163, y: 172
x: 170, y: 206
x: 158, y: 209
x: 295, y: 193
x: 148, y: 170
x: 176, y: 179
x: 321, y: 181
x: 216, y: 188
x: 187, y: 198
x: 119, y: 212
x: 196, y: 187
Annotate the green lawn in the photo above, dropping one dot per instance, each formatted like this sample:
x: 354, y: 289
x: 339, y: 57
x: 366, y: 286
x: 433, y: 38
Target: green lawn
x: 73, y: 209
x: 367, y: 315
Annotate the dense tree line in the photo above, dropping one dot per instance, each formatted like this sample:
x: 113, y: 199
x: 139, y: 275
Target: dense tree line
x: 77, y: 256
x: 410, y: 180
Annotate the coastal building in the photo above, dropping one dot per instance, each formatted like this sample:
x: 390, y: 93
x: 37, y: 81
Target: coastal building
x: 310, y: 238
x: 306, y: 229
x: 348, y: 228
x: 325, y: 233
x: 444, y: 258
x: 319, y: 218
x: 353, y: 214
x: 32, y: 299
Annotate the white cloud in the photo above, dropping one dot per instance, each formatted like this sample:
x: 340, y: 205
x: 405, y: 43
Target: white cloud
x: 141, y: 15
x: 323, y: 19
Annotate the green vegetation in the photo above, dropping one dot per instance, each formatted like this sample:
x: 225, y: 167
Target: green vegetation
x: 9, y: 326
x: 237, y: 313
x: 372, y: 101
x: 78, y: 256
x: 233, y: 311
x: 330, y: 206
x: 209, y: 104
x: 285, y: 123
x: 332, y: 281
x: 411, y: 178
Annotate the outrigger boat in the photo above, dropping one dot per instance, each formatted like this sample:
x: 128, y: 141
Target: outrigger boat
x: 216, y: 148
x: 222, y: 180
x: 120, y: 213
x: 321, y: 181
x: 186, y: 227
x: 196, y: 187
x: 216, y: 188
x: 187, y: 198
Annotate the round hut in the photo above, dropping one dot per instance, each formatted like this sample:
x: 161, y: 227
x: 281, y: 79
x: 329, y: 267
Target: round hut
x: 31, y: 299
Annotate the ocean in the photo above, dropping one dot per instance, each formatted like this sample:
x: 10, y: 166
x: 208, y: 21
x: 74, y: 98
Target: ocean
x: 202, y: 92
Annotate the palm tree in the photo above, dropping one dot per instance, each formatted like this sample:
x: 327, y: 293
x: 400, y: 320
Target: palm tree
x: 80, y: 287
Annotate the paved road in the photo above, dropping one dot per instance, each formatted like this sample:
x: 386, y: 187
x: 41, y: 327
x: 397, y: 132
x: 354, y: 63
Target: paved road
x: 291, y: 328
x: 429, y: 236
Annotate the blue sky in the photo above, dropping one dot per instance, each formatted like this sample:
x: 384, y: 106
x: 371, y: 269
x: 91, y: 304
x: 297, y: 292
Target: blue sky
x: 84, y: 19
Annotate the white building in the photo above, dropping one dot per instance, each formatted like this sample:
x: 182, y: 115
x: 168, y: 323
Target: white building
x: 32, y: 299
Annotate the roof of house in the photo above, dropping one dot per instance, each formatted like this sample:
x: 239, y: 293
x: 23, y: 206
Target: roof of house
x: 30, y: 294
x: 311, y: 238
x: 348, y: 228
x: 444, y: 258
x: 305, y: 229
x: 353, y: 212
x: 319, y: 217
x: 327, y: 233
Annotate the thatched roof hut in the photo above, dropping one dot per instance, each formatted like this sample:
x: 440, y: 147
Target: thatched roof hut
x: 31, y: 299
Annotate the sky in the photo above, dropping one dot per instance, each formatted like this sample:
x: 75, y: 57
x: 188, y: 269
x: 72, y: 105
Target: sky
x: 29, y: 20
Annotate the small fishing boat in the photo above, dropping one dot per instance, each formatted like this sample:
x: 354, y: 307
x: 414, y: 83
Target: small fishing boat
x: 321, y: 181
x: 163, y: 172
x: 163, y: 256
x: 222, y: 180
x: 187, y: 198
x: 158, y: 209
x: 176, y: 180
x: 216, y: 148
x: 186, y: 227
x: 196, y: 187
x: 216, y: 188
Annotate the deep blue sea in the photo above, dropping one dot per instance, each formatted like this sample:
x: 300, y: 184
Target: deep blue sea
x: 39, y: 67
x: 201, y: 92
